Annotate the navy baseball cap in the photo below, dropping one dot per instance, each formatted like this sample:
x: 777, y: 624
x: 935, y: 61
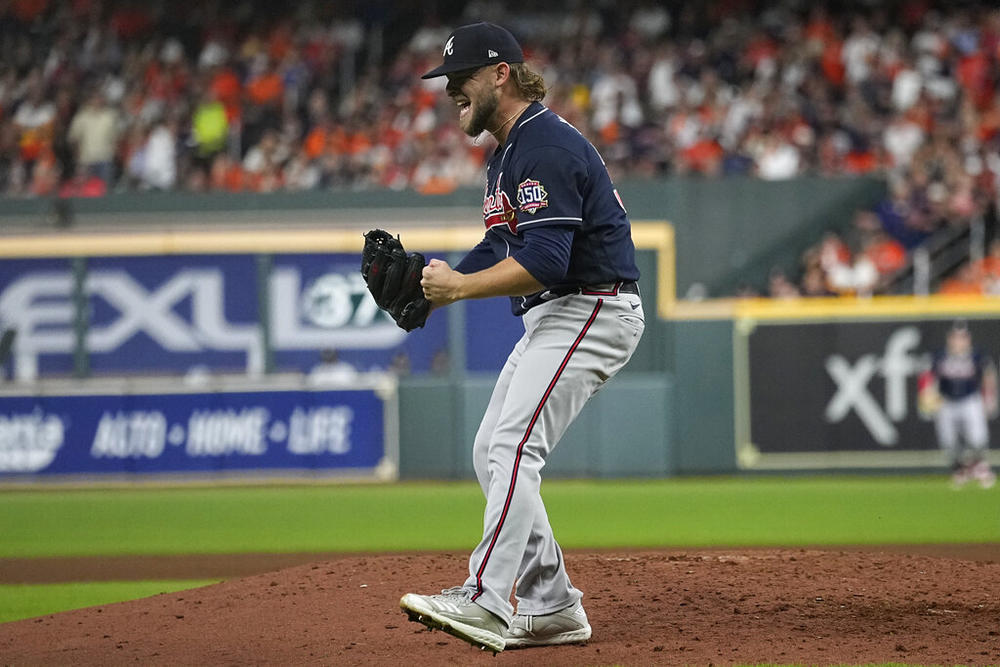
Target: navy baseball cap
x: 477, y: 45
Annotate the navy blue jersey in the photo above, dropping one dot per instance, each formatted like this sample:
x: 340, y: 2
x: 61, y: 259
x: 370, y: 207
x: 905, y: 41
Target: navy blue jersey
x: 548, y: 175
x: 958, y: 376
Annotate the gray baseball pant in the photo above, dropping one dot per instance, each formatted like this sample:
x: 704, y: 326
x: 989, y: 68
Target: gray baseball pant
x: 570, y: 348
x: 967, y: 415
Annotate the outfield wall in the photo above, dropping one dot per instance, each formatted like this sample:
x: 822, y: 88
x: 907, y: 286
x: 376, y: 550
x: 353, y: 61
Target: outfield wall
x: 719, y: 386
x: 188, y: 318
x: 626, y: 430
x: 815, y: 384
x: 822, y: 386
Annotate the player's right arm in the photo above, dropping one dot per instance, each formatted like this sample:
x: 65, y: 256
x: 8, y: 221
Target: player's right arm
x: 479, y: 258
x: 543, y: 261
x: 443, y: 285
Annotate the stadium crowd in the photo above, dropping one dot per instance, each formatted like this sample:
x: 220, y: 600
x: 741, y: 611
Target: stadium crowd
x: 116, y: 95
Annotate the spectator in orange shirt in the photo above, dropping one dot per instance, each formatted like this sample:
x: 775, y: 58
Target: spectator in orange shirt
x: 83, y: 184
x: 887, y: 254
x: 704, y: 156
x: 226, y: 87
x: 45, y: 176
x: 265, y: 93
x: 989, y: 120
x: 34, y: 120
x: 226, y: 174
x: 265, y: 88
x: 963, y: 281
x: 318, y: 138
x: 990, y: 265
x: 989, y: 268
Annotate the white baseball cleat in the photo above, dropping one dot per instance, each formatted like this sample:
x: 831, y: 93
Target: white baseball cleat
x: 982, y: 473
x: 453, y: 612
x: 566, y: 626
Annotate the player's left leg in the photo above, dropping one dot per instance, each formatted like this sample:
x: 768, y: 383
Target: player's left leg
x: 543, y: 586
x: 574, y: 345
x: 452, y: 610
x: 976, y: 434
x: 946, y: 425
x: 549, y: 608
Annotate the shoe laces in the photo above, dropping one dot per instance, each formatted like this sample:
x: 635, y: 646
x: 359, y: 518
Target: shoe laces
x: 455, y: 591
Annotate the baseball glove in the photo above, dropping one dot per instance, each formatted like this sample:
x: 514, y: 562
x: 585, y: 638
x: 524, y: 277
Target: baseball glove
x: 393, y: 278
x: 928, y: 398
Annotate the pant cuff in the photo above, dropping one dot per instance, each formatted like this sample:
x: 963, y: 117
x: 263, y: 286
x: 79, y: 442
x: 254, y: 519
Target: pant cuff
x: 528, y: 609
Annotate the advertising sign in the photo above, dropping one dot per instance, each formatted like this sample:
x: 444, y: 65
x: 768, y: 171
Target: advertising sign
x: 170, y: 314
x: 346, y: 431
x: 320, y: 301
x: 844, y: 394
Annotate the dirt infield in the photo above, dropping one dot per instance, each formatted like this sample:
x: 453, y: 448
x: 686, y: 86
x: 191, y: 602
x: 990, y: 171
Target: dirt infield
x: 230, y: 566
x: 648, y: 608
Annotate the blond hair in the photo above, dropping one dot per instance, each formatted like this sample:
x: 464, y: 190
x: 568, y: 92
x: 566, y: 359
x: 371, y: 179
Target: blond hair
x: 529, y: 84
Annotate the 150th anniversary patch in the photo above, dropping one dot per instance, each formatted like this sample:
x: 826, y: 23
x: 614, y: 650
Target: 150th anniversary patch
x: 531, y: 196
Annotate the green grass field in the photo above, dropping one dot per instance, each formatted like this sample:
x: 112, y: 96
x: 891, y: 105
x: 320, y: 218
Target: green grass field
x: 22, y: 601
x: 585, y: 514
x: 763, y: 511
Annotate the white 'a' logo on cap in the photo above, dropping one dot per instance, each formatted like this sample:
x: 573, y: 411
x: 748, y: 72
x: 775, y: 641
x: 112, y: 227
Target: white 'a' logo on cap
x: 449, y: 46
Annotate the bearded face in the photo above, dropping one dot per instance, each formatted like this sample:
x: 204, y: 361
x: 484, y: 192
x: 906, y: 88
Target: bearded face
x: 483, y: 109
x: 477, y: 102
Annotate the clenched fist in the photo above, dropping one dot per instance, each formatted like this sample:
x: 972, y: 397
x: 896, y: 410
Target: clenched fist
x: 442, y: 285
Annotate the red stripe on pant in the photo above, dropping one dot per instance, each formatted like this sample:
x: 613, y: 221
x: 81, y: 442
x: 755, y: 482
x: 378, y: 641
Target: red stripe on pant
x: 520, y: 447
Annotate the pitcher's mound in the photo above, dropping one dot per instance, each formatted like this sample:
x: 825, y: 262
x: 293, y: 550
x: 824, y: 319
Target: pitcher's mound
x: 646, y: 608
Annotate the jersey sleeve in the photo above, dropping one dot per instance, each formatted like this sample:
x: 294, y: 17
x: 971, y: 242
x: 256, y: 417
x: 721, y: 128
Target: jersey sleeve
x: 546, y: 252
x: 549, y: 182
x: 479, y: 258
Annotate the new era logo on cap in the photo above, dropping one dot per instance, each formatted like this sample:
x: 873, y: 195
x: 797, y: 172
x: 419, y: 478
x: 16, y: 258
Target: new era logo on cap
x: 464, y: 49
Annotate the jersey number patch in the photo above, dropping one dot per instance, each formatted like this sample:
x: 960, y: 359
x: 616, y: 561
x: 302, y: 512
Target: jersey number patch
x: 531, y: 196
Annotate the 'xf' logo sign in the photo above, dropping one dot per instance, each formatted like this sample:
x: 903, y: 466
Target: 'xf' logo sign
x: 852, y: 382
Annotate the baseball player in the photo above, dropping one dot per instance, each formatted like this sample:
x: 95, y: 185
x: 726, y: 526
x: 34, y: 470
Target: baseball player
x: 558, y: 243
x: 961, y: 384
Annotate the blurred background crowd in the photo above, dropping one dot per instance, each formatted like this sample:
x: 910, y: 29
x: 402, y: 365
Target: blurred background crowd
x: 101, y: 96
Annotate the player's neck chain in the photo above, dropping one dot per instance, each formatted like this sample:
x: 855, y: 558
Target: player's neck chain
x: 509, y: 118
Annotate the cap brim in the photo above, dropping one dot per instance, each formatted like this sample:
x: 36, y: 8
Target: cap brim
x: 448, y: 68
